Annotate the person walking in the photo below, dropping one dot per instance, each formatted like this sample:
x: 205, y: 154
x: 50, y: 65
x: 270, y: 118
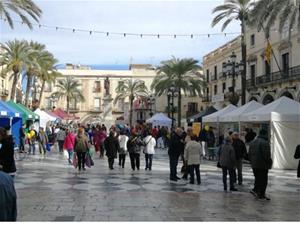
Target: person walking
x: 8, y: 198
x: 192, y: 155
x: 60, y: 137
x: 32, y: 137
x: 228, y: 162
x: 297, y: 156
x: 203, y: 140
x: 176, y: 148
x: 123, y: 139
x: 69, y: 144
x: 260, y: 159
x: 240, y: 153
x: 102, y: 137
x: 81, y: 147
x: 134, y: 148
x: 7, y: 160
x: 149, y: 149
x: 189, y: 134
x: 112, y: 147
x: 43, y: 140
x: 22, y: 138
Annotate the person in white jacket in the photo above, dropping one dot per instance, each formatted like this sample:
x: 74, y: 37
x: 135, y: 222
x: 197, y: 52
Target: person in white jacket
x: 192, y: 153
x: 149, y: 145
x: 123, y: 139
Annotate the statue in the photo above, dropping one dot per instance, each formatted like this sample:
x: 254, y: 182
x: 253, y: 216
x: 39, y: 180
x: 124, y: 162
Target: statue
x: 106, y: 86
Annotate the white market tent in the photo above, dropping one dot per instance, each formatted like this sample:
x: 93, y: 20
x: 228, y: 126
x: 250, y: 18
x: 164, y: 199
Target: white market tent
x: 234, y: 116
x: 214, y: 117
x: 284, y: 118
x: 160, y: 119
x: 44, y: 117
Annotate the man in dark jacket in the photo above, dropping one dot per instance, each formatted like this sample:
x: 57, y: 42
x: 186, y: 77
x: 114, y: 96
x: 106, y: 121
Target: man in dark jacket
x: 7, y: 160
x: 8, y: 198
x: 176, y: 148
x: 240, y: 153
x: 112, y: 147
x: 261, y: 162
x: 250, y: 135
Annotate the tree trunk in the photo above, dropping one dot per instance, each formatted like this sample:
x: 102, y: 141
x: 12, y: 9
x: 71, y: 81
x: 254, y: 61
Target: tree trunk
x: 179, y: 108
x: 244, y: 60
x: 13, y: 88
x: 41, y: 93
x: 130, y: 111
x: 28, y: 86
x: 68, y: 104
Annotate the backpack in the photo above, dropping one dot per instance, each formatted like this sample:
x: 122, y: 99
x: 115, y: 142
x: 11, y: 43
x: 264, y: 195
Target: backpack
x: 80, y: 145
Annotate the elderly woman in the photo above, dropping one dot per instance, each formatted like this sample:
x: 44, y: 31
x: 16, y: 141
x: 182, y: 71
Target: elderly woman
x: 192, y: 155
x: 228, y: 163
x: 81, y: 147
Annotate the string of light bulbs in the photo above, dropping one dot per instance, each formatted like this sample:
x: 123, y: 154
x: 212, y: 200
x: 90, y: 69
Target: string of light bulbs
x: 124, y: 34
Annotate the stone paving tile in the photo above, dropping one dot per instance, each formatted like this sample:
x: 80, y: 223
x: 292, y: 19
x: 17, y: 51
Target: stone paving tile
x: 48, y: 190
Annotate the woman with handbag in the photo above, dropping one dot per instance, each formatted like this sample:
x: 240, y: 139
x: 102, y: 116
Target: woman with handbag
x: 149, y: 151
x: 134, y: 148
x: 69, y: 144
x: 81, y: 147
x: 123, y: 139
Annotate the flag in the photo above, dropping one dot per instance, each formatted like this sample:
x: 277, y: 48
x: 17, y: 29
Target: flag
x: 268, y: 53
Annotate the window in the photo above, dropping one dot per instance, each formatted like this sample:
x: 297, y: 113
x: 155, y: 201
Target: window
x: 192, y: 107
x: 252, y: 75
x: 121, y: 105
x: 97, y: 103
x: 224, y: 87
x: 73, y: 103
x: 97, y: 86
x: 285, y: 30
x: 216, y: 72
x: 215, y: 89
x: 207, y: 75
x: 252, y: 40
x: 285, y: 63
x: 48, y: 87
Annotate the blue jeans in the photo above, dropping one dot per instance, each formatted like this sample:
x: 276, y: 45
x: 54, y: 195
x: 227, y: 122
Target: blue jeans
x: 70, y: 152
x: 148, y: 158
x: 32, y: 146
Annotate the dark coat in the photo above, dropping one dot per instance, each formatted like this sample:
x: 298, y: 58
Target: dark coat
x: 8, y: 198
x: 7, y: 155
x: 239, y: 148
x: 203, y: 135
x: 112, y: 147
x: 227, y: 156
x: 134, y: 145
x: 260, y: 153
x: 297, y: 156
x: 176, y: 146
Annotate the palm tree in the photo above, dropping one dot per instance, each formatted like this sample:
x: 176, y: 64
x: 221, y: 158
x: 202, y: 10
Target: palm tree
x: 183, y: 74
x: 236, y: 10
x: 68, y: 88
x: 132, y: 89
x: 23, y: 8
x: 15, y: 58
x: 266, y: 12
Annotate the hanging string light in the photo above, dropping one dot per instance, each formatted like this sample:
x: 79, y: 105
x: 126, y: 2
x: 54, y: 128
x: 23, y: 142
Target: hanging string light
x: 125, y: 34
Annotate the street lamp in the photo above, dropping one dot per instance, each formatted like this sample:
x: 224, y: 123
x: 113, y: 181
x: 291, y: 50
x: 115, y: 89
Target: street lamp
x: 172, y: 92
x: 233, y: 68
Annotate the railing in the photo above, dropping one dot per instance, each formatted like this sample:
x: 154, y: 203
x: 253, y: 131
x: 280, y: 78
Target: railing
x: 191, y: 113
x: 222, y: 75
x: 214, y: 77
x: 275, y: 77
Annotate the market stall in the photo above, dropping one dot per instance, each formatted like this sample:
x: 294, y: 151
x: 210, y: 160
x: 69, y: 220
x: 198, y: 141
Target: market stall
x: 160, y: 119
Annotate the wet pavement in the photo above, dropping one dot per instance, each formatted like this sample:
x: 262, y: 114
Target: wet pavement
x: 49, y: 189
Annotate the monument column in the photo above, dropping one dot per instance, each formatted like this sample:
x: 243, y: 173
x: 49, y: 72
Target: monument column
x: 107, y: 105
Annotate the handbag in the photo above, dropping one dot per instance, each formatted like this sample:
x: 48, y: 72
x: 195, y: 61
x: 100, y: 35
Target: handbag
x: 144, y: 145
x: 75, y: 161
x: 48, y: 148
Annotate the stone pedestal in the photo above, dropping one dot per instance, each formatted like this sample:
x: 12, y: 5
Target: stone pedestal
x: 108, y: 119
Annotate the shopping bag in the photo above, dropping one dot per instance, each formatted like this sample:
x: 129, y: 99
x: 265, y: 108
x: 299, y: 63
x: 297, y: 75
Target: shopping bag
x: 75, y: 161
x: 66, y: 154
x: 88, y: 162
x: 48, y: 147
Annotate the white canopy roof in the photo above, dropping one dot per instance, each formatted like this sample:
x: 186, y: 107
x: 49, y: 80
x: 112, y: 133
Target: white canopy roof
x: 234, y: 116
x: 215, y: 116
x: 160, y: 119
x: 44, y: 117
x: 283, y: 109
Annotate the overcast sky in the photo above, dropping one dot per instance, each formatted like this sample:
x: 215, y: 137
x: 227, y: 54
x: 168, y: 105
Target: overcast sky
x: 168, y: 17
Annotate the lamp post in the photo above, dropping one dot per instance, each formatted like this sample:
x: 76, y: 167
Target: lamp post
x: 233, y: 68
x: 171, y: 93
x: 151, y: 101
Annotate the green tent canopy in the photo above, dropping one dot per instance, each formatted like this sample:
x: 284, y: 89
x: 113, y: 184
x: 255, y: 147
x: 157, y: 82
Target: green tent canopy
x: 26, y: 113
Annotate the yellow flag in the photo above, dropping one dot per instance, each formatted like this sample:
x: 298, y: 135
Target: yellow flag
x: 268, y: 53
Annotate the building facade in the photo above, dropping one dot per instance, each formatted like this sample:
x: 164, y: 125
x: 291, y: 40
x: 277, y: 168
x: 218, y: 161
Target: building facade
x: 92, y: 86
x: 265, y: 81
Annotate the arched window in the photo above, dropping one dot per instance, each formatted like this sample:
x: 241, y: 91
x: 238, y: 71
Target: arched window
x: 287, y: 94
x: 267, y: 99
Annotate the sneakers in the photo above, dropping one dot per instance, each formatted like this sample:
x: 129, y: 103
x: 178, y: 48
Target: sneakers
x: 264, y: 198
x: 253, y: 193
x: 233, y: 189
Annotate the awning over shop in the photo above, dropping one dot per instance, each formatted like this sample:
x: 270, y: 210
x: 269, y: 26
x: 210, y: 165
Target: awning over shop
x: 26, y: 113
x: 64, y: 115
x: 214, y: 118
x: 8, y: 111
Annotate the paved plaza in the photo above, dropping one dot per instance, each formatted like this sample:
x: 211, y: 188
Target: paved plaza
x: 51, y: 190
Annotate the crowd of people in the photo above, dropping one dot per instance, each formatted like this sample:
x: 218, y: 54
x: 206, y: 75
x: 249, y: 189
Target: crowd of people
x: 121, y: 140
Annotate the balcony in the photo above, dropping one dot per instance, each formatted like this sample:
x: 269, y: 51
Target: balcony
x: 73, y: 109
x: 191, y: 113
x: 222, y: 75
x: 96, y: 90
x: 214, y: 78
x: 206, y: 99
x: 4, y: 92
x: 275, y: 77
